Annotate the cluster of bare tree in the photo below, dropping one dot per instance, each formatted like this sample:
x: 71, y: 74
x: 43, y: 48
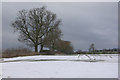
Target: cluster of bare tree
x: 40, y: 27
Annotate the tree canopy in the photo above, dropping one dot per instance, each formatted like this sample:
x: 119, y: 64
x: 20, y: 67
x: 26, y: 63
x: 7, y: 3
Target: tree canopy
x: 35, y: 25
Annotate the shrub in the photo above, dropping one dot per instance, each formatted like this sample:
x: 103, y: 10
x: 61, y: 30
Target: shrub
x: 8, y: 53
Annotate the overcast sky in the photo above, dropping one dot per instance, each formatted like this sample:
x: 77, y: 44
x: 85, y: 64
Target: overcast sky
x: 82, y: 23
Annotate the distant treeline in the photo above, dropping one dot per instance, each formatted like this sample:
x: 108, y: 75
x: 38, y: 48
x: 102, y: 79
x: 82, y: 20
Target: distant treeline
x: 16, y: 52
x: 20, y: 51
x: 104, y: 51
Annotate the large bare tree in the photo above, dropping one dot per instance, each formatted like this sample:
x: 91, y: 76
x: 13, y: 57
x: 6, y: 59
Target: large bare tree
x: 34, y: 25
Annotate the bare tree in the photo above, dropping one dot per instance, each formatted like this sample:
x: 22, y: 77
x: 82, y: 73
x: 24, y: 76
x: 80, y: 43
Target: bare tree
x: 34, y: 25
x: 51, y: 39
x: 64, y: 46
x: 92, y: 48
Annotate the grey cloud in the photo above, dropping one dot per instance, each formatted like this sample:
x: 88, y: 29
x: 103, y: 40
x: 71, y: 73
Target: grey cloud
x: 82, y: 23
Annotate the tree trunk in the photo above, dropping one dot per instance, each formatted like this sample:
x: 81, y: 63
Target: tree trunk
x: 36, y: 48
x: 41, y: 49
x: 53, y: 47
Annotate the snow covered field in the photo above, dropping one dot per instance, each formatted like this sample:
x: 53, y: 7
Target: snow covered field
x: 100, y: 66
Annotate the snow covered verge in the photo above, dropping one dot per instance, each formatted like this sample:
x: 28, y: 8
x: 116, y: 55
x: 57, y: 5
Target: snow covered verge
x: 100, y: 66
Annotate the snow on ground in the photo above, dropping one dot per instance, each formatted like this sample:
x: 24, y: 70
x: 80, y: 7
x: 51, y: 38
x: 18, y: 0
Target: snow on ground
x: 105, y: 66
